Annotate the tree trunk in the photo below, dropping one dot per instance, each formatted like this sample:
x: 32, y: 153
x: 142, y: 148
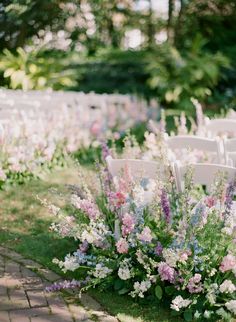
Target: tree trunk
x: 178, y: 25
x: 150, y: 27
x: 171, y: 8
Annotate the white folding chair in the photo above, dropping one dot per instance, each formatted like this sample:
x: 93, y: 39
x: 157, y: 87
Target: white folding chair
x: 231, y: 114
x: 230, y: 151
x: 221, y: 127
x: 212, y: 147
x: 203, y: 173
x: 137, y: 168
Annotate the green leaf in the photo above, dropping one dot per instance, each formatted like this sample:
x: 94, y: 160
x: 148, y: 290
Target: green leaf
x: 158, y: 292
x: 169, y: 290
x: 118, y: 284
x: 123, y: 291
x: 188, y: 315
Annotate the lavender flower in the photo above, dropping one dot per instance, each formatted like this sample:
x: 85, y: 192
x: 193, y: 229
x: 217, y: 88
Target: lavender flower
x: 105, y: 150
x: 158, y: 249
x: 84, y: 246
x: 165, y: 205
x: 65, y: 285
x: 106, y: 176
x: 229, y: 197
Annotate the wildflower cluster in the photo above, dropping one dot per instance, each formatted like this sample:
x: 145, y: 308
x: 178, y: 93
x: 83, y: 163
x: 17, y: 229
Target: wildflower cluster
x: 142, y: 238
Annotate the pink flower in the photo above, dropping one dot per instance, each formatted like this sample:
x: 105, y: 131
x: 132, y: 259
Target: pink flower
x: 87, y: 206
x: 122, y: 246
x: 117, y: 199
x: 197, y: 278
x: 145, y: 235
x: 96, y: 128
x: 116, y: 135
x: 124, y: 183
x: 166, y: 272
x: 228, y: 263
x: 183, y: 256
x: 128, y: 224
x: 210, y: 201
x: 194, y: 285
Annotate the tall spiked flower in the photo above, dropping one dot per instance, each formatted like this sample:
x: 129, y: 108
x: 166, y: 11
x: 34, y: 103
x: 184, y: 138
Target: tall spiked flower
x: 105, y: 150
x: 229, y: 197
x: 107, y: 178
x: 165, y: 205
x: 66, y: 285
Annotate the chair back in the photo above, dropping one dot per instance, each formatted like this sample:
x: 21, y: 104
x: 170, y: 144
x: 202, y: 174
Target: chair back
x: 137, y: 168
x: 211, y: 146
x: 221, y: 127
x: 203, y: 173
x: 230, y: 151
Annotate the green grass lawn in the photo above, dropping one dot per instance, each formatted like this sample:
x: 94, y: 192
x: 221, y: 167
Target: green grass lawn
x: 25, y: 228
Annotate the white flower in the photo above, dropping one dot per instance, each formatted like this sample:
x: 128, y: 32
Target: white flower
x: 95, y: 234
x: 139, y: 196
x: 124, y: 273
x: 227, y: 287
x: 170, y: 256
x: 140, y: 288
x: 231, y: 306
x: 197, y: 315
x: 70, y: 263
x: 212, y: 272
x: 211, y: 293
x: 101, y: 271
x: 179, y: 302
x: 88, y: 236
x: 207, y: 314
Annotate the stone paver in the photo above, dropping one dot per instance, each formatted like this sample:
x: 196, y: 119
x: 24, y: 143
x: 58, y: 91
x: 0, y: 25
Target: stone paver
x: 23, y: 297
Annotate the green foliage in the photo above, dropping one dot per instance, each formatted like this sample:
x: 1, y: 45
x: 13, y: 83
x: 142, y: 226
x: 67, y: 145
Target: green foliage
x: 114, y: 70
x: 178, y: 77
x: 173, y: 71
x: 36, y: 69
x: 22, y: 20
x: 215, y: 21
x: 158, y: 292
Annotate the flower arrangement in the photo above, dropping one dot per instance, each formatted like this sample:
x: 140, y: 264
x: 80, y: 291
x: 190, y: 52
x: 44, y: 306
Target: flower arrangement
x: 141, y: 238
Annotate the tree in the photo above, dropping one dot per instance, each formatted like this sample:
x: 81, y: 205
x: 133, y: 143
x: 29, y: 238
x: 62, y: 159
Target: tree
x: 20, y: 20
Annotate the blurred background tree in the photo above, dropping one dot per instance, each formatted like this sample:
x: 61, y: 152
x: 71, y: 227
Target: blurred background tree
x: 168, y: 49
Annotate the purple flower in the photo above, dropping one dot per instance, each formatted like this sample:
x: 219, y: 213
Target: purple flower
x: 105, y: 150
x: 64, y: 285
x: 158, y: 249
x: 165, y: 205
x: 84, y: 246
x: 166, y: 272
x: 194, y: 284
x: 229, y: 197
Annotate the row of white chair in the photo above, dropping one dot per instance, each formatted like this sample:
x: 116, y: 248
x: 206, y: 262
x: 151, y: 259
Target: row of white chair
x: 212, y: 128
x: 223, y: 149
x: 221, y: 127
x: 203, y: 173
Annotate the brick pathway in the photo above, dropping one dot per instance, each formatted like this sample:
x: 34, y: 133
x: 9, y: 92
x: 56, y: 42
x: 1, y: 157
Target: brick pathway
x: 22, y: 296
